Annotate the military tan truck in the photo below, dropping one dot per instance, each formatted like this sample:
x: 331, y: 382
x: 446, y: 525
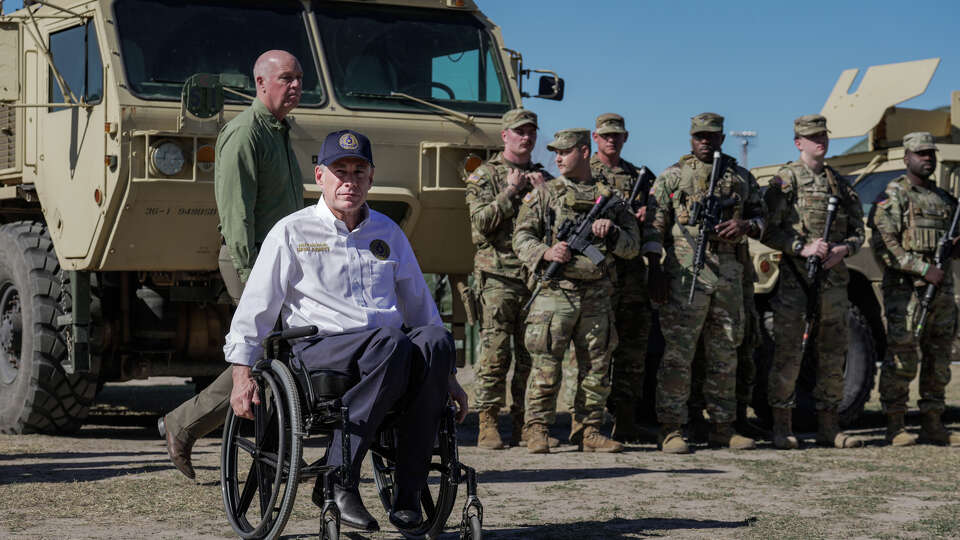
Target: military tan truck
x: 871, y: 111
x: 109, y: 114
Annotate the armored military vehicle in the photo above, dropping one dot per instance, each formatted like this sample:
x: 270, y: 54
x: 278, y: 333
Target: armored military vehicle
x: 870, y: 111
x: 109, y: 114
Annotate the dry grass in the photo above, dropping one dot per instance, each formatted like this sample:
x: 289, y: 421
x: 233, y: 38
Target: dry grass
x: 115, y: 481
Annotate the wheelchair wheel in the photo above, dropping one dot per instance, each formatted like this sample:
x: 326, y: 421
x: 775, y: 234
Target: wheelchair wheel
x: 476, y: 530
x: 259, y: 473
x: 439, y: 494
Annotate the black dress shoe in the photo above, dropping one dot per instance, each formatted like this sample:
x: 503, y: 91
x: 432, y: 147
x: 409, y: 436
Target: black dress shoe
x: 406, y: 519
x: 352, y: 511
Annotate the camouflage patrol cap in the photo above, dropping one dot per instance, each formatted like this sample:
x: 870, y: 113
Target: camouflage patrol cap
x: 610, y: 123
x: 708, y: 121
x: 568, y: 138
x: 810, y: 124
x: 919, y: 141
x: 515, y: 118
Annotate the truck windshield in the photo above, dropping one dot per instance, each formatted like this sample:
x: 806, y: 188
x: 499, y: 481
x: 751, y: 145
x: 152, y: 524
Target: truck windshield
x: 165, y: 41
x: 872, y: 186
x: 443, y: 56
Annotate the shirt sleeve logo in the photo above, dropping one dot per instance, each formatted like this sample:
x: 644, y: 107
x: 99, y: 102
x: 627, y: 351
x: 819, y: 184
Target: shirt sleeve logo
x: 380, y: 249
x: 348, y: 142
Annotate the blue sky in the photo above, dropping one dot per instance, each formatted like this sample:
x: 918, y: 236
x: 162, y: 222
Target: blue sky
x: 758, y: 63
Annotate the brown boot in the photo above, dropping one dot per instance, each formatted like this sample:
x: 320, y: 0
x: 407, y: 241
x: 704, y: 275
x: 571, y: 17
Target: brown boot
x: 537, y: 438
x: 671, y: 440
x: 723, y: 434
x: 897, y: 434
x: 178, y: 450
x: 625, y: 427
x: 594, y: 441
x: 933, y: 432
x: 488, y: 436
x: 783, y: 429
x: 829, y: 434
x: 517, y: 432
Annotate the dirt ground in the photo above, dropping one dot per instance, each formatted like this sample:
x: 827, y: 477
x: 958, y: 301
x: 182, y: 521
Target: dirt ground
x: 114, y: 480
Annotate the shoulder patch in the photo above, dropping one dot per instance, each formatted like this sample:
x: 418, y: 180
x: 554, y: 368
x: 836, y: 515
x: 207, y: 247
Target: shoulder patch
x: 473, y: 179
x: 528, y: 198
x: 881, y: 199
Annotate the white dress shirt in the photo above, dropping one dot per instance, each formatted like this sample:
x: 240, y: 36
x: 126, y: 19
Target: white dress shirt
x: 311, y: 270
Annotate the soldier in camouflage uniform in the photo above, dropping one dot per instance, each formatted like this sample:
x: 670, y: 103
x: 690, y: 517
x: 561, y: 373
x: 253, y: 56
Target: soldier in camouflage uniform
x: 797, y: 210
x: 576, y: 305
x: 717, y: 308
x: 631, y: 304
x: 494, y: 192
x: 907, y: 221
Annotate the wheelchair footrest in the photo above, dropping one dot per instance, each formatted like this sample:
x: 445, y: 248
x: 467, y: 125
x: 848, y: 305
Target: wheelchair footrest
x: 472, y: 508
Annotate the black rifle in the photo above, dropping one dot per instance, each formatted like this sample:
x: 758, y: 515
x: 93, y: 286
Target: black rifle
x: 641, y: 188
x: 944, y: 248
x: 706, y: 213
x: 811, y: 318
x: 580, y: 235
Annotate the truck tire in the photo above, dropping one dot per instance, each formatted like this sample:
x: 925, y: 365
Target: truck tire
x: 36, y: 394
x: 859, y: 371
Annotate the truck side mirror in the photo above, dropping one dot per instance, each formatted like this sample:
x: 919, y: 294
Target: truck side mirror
x: 551, y: 87
x: 9, y: 62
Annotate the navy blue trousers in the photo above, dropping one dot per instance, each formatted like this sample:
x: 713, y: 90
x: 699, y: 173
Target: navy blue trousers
x: 391, y: 366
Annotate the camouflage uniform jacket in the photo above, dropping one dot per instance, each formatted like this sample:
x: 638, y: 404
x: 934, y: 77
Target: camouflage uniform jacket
x: 545, y: 210
x: 675, y: 191
x: 907, y: 222
x: 797, y: 209
x: 492, y: 214
x: 631, y: 273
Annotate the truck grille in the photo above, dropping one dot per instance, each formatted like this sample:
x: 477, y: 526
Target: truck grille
x: 8, y: 122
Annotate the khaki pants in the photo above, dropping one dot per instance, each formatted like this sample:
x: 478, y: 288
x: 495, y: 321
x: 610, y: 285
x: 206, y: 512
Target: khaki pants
x: 207, y: 410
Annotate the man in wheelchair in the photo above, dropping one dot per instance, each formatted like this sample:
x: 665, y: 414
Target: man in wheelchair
x: 350, y: 271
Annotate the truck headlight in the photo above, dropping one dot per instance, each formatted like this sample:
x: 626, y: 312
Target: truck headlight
x: 166, y: 157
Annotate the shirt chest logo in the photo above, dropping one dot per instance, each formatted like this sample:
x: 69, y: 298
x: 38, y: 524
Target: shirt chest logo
x: 380, y: 249
x: 312, y: 247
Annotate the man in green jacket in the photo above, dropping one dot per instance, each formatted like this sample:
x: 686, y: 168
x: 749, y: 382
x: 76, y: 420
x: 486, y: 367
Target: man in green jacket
x: 257, y: 181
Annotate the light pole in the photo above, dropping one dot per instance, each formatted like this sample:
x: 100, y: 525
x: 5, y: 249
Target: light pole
x: 744, y: 137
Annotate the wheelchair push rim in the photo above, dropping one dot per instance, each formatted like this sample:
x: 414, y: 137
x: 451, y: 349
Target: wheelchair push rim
x: 271, y: 457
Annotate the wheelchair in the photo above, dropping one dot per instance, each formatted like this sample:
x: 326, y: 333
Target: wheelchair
x: 262, y: 464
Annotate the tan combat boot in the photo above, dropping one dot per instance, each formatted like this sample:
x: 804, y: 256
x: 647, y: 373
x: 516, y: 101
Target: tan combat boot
x: 897, y: 434
x: 594, y: 441
x: 537, y: 438
x: 723, y: 434
x: 933, y: 432
x: 625, y: 427
x: 488, y: 436
x: 516, y: 432
x: 671, y: 440
x: 829, y: 434
x: 783, y: 429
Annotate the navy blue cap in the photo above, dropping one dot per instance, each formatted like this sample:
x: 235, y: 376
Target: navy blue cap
x: 345, y: 143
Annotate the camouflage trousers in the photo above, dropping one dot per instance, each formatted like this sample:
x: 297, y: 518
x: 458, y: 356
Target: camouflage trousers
x: 502, y: 300
x: 746, y: 367
x: 717, y: 315
x: 905, y: 354
x: 557, y: 318
x: 789, y: 308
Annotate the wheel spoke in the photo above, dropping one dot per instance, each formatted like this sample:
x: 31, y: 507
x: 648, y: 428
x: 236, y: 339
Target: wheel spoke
x: 249, y: 488
x: 246, y: 445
